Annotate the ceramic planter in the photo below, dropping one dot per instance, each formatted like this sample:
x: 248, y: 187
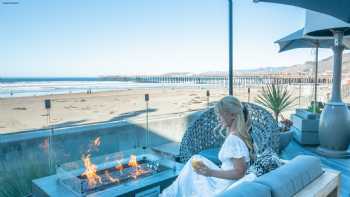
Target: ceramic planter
x: 285, y: 138
x: 305, y: 127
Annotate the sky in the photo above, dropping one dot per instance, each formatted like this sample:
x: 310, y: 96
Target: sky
x: 65, y: 38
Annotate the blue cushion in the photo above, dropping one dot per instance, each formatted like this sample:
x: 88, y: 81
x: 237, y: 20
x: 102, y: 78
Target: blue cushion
x: 247, y: 189
x: 293, y: 176
x: 212, y: 154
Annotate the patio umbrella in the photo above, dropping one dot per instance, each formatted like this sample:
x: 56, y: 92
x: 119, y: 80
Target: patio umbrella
x: 334, y: 128
x: 298, y: 40
x: 336, y: 8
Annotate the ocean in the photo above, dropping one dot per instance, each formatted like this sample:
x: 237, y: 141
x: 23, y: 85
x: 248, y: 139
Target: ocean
x: 22, y: 87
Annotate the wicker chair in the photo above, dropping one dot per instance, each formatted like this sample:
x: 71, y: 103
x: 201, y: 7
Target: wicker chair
x: 201, y: 136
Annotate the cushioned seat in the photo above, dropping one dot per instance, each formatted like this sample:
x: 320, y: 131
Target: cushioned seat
x: 248, y: 189
x: 202, y: 134
x: 212, y: 154
x: 292, y: 177
x: 284, y: 181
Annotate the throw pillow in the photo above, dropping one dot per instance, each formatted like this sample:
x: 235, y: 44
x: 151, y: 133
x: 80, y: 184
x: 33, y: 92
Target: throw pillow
x: 265, y: 162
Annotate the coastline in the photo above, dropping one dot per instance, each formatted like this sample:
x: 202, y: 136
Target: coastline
x: 19, y: 114
x: 28, y: 113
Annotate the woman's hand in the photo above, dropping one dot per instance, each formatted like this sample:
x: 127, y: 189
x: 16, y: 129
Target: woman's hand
x: 202, y: 169
x: 238, y: 170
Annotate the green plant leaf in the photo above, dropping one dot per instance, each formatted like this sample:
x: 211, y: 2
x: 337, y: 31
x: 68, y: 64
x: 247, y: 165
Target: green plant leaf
x: 276, y: 98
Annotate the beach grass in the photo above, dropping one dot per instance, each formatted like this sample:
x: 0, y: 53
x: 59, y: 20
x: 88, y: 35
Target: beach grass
x: 18, y: 172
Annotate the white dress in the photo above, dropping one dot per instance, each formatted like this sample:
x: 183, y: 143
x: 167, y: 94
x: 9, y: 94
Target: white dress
x: 191, y: 184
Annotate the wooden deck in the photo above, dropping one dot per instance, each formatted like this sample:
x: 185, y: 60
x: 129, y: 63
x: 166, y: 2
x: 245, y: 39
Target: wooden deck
x: 342, y: 165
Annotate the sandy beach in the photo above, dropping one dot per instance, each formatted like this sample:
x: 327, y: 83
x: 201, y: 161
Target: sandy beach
x: 28, y: 113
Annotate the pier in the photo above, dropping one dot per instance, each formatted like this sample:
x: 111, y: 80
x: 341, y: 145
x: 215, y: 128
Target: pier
x: 238, y: 80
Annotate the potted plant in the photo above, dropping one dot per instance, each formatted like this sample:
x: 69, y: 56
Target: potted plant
x: 316, y: 107
x: 286, y: 133
x: 278, y: 98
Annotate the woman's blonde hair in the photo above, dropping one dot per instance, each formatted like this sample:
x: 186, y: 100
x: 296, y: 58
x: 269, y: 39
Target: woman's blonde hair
x: 231, y: 105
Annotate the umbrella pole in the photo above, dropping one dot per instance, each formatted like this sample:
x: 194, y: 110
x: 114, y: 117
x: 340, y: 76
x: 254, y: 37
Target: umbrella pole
x: 338, y: 53
x: 230, y: 47
x: 335, y: 118
x: 316, y: 79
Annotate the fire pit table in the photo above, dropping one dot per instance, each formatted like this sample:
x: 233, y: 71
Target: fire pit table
x: 136, y: 173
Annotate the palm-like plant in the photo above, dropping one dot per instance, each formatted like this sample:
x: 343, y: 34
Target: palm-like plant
x: 277, y: 98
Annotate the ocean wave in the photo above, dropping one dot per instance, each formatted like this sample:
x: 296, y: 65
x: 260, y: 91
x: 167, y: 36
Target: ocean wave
x: 39, y: 88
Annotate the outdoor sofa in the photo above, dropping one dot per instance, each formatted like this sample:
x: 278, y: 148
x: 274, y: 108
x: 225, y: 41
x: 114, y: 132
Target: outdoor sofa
x: 301, y: 176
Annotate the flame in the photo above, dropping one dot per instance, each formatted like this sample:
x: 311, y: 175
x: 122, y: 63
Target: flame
x: 94, y: 145
x: 137, y: 172
x: 90, y: 171
x: 119, y: 167
x: 113, y: 180
x: 97, y: 141
x: 133, y: 161
x: 44, y: 145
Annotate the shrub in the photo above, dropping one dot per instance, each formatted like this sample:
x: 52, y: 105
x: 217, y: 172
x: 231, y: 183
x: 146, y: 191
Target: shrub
x: 277, y: 98
x: 315, y: 107
x: 286, y: 124
x: 18, y: 172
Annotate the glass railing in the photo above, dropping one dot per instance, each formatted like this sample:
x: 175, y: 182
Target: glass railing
x: 23, y: 114
x: 69, y: 127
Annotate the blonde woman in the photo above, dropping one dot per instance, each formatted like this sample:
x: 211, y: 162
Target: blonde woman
x: 201, y: 177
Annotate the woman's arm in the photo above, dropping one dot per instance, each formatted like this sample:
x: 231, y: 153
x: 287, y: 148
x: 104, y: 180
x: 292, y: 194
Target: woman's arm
x: 238, y: 172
